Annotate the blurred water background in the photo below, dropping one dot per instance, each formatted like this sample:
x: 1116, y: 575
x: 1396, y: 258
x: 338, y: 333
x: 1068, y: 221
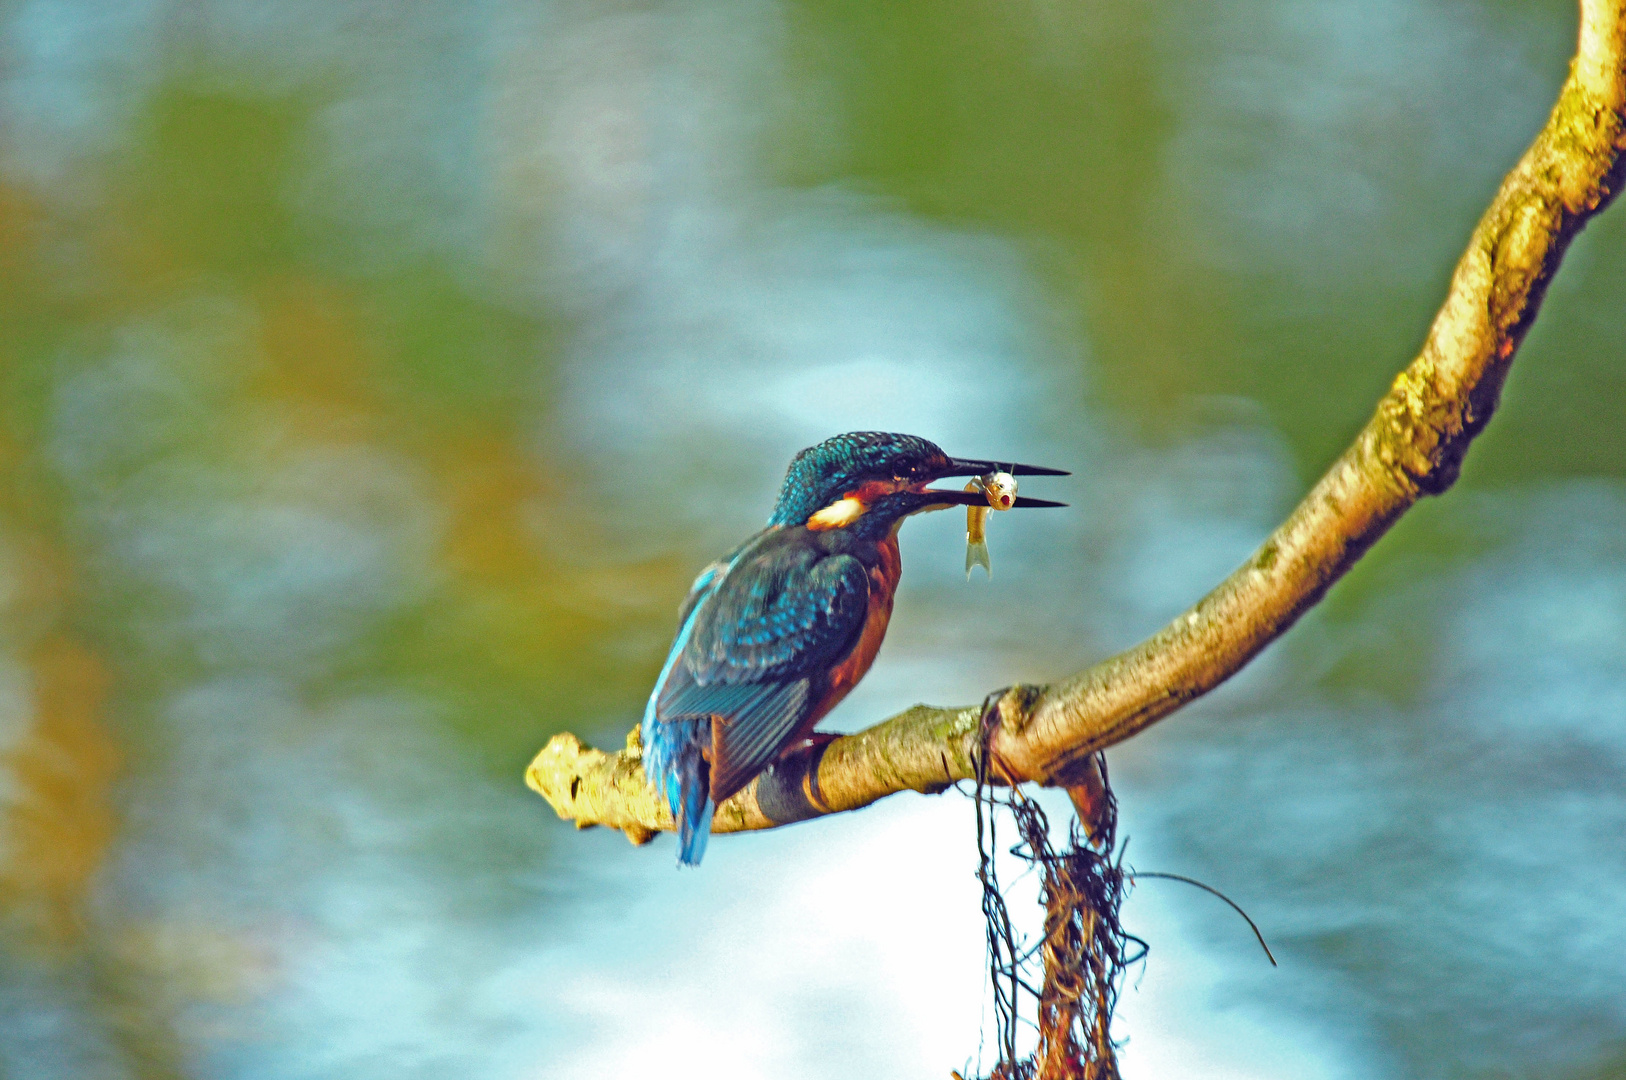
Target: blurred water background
x: 374, y: 377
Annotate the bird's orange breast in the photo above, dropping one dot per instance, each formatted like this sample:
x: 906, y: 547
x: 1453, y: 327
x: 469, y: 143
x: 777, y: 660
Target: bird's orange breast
x: 883, y: 584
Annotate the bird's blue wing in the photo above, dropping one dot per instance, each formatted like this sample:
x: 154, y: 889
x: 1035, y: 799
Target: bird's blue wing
x: 656, y: 754
x: 673, y: 751
x: 703, y: 583
x: 777, y: 620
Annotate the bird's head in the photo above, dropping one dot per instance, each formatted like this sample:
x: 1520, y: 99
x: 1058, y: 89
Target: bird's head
x: 869, y: 480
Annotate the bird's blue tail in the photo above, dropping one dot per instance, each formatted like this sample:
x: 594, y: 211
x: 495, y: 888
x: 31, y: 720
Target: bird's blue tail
x: 672, y: 759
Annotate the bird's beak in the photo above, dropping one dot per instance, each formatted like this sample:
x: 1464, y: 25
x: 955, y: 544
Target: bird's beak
x: 976, y: 467
x: 977, y: 498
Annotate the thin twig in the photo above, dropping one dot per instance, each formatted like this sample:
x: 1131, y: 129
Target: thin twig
x: 1136, y: 875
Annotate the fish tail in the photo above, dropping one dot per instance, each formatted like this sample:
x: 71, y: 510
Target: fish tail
x: 976, y: 554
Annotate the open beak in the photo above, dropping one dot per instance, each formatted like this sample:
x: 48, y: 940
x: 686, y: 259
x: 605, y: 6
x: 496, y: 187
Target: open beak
x: 975, y: 467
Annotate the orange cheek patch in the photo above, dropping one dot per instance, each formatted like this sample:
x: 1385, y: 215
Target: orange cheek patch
x: 871, y: 490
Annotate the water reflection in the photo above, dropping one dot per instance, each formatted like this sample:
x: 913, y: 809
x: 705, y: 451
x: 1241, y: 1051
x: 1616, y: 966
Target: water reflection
x: 377, y: 377
x: 1436, y: 850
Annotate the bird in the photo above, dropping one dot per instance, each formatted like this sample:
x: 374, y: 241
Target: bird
x: 775, y: 633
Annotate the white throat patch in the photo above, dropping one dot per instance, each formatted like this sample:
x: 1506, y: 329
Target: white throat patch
x: 838, y: 515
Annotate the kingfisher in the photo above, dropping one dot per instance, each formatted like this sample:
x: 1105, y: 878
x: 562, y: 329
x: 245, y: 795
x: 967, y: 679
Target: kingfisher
x: 774, y: 634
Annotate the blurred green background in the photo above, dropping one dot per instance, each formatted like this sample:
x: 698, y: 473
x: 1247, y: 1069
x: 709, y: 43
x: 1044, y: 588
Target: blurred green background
x: 374, y: 378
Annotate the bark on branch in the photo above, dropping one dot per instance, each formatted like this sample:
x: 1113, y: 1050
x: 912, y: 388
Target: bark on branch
x: 1413, y: 446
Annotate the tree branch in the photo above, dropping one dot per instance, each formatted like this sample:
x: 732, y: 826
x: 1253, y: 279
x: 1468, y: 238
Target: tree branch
x: 1413, y: 446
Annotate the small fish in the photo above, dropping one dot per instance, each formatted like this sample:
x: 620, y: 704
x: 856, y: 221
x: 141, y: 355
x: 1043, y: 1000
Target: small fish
x: 1000, y: 490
